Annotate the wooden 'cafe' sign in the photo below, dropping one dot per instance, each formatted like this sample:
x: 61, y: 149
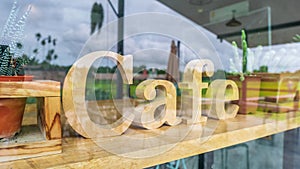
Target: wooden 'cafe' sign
x: 77, y: 114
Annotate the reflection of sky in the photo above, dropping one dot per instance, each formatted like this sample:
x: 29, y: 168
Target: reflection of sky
x: 278, y: 58
x: 69, y: 22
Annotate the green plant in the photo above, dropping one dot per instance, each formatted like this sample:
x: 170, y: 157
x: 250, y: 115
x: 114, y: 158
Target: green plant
x: 10, y: 65
x: 11, y: 48
x: 296, y: 38
x: 244, y: 54
x: 262, y: 69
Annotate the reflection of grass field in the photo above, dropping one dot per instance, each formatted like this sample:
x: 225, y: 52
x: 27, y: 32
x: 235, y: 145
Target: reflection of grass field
x: 132, y: 90
x: 276, y: 87
x: 100, y: 90
x: 106, y: 89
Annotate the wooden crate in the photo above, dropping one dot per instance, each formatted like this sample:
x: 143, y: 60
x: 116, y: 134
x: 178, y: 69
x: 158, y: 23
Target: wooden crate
x: 43, y: 138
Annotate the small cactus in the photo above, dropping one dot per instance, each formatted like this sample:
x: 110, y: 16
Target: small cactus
x: 245, y: 53
x: 244, y: 56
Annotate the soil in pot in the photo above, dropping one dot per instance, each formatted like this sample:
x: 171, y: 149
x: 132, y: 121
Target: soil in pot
x: 11, y: 115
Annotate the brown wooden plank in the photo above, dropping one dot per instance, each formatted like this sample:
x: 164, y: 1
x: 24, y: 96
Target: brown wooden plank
x: 29, y: 89
x: 49, y: 117
x: 28, y: 150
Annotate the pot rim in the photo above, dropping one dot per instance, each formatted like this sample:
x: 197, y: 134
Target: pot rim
x: 16, y: 78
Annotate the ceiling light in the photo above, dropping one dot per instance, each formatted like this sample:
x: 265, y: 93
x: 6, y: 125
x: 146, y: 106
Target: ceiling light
x: 233, y: 22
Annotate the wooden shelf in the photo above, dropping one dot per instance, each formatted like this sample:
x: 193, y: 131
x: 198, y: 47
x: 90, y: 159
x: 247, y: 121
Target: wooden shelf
x: 84, y: 153
x: 42, y: 138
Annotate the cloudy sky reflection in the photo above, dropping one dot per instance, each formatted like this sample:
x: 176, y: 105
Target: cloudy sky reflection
x: 69, y: 23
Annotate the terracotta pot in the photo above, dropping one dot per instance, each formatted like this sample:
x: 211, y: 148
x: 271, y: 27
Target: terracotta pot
x: 12, y: 109
x: 11, y: 115
x: 249, y: 91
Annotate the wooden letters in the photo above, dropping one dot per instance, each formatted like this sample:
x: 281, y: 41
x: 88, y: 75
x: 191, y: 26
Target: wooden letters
x: 158, y: 92
x: 74, y: 96
x: 192, y: 80
x: 147, y: 90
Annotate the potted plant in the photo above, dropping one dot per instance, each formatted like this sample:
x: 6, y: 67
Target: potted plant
x: 11, y: 69
x: 11, y: 109
x: 248, y: 84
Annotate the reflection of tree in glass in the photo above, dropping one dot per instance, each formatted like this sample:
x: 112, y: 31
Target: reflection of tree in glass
x: 48, y: 43
x: 97, y: 15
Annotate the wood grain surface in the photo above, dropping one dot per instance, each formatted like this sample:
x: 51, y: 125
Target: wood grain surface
x: 79, y: 152
x: 29, y: 89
